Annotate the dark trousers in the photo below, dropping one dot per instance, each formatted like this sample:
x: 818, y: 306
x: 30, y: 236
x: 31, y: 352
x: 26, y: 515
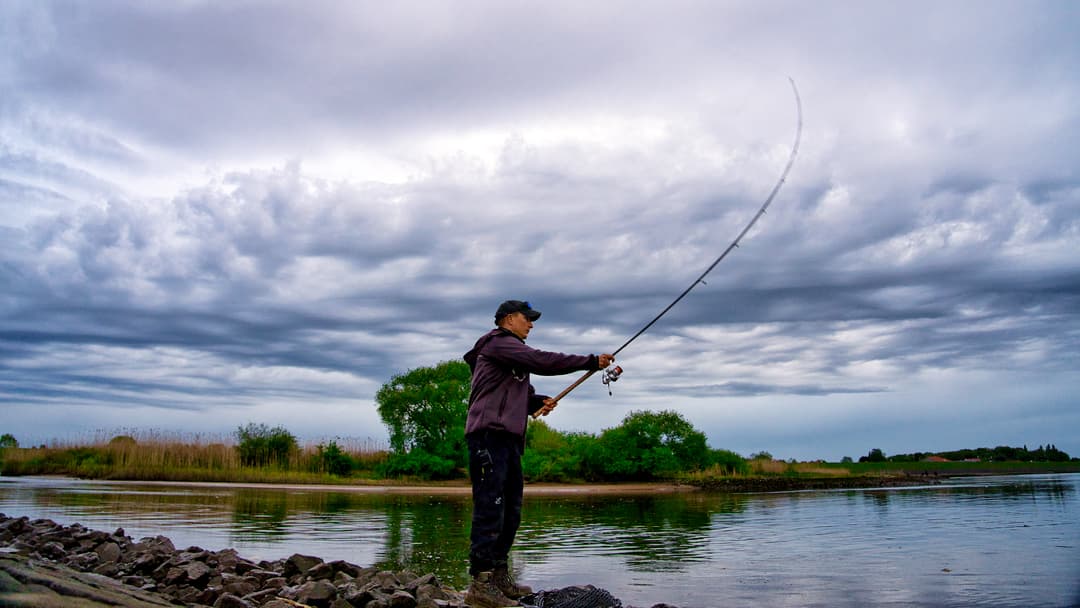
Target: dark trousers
x: 497, y: 485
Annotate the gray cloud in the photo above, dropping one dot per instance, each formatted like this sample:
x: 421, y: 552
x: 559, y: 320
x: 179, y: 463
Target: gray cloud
x: 236, y: 208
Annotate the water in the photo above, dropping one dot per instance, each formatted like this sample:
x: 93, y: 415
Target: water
x: 990, y: 541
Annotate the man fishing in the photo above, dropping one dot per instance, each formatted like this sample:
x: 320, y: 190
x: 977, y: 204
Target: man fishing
x: 500, y: 401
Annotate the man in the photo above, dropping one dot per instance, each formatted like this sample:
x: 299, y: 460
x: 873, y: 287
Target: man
x: 500, y: 402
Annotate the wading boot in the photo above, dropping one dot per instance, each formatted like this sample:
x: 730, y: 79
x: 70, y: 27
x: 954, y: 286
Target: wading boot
x: 483, y: 593
x: 505, y: 582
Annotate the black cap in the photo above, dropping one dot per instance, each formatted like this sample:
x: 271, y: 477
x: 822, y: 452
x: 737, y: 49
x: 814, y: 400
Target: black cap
x: 512, y: 306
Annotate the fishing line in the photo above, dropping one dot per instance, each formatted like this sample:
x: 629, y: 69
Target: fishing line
x: 613, y: 375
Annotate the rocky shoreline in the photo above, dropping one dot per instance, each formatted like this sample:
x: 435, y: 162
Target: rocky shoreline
x: 45, y: 564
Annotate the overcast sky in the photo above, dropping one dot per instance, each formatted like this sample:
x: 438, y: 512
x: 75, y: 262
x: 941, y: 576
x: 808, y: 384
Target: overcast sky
x: 214, y: 213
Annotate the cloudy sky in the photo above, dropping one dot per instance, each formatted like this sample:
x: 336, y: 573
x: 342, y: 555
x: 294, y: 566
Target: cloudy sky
x: 214, y: 213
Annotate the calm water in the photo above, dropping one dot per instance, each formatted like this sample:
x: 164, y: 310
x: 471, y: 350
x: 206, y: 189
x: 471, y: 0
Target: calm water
x: 1000, y: 541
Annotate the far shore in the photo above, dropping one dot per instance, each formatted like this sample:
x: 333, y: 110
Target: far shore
x: 737, y: 485
x: 749, y: 484
x: 446, y: 488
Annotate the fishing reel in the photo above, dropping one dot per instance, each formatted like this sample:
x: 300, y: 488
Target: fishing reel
x: 611, y: 374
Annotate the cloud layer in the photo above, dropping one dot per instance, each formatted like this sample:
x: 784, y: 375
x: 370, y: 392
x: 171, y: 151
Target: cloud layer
x: 220, y: 212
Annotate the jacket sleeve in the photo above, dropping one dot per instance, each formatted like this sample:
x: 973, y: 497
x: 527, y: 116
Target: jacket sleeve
x: 535, y: 401
x: 514, y: 353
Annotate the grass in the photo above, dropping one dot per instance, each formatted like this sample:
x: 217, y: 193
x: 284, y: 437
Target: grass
x: 163, y: 456
x: 779, y: 469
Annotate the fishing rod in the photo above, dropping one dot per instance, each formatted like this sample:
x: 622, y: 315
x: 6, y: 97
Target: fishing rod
x: 613, y: 374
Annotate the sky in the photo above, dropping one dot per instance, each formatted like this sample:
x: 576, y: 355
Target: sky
x: 222, y: 212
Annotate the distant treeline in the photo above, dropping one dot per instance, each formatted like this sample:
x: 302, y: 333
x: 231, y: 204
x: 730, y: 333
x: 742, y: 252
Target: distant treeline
x: 1002, y: 453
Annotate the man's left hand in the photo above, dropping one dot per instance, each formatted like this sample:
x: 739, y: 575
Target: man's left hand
x: 549, y: 404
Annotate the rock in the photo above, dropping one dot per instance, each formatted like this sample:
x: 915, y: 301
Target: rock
x: 259, y: 597
x: 300, y: 564
x: 197, y: 574
x: 52, y: 550
x: 229, y: 600
x: 387, y: 580
x: 108, y: 552
x: 316, y: 593
x: 58, y: 562
x: 30, y: 583
x: 402, y: 599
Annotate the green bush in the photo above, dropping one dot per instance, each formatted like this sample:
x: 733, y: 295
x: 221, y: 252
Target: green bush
x: 551, y: 455
x: 333, y: 460
x: 260, y: 445
x: 418, y: 464
x: 647, y: 446
x: 729, y: 462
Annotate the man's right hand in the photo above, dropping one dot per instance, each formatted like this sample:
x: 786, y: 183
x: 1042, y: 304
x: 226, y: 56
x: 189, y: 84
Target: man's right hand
x: 606, y: 360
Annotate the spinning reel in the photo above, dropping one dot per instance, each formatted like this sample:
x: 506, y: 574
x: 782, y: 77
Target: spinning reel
x: 611, y: 375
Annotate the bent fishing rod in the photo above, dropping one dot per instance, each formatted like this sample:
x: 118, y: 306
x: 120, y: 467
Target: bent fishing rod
x: 613, y: 375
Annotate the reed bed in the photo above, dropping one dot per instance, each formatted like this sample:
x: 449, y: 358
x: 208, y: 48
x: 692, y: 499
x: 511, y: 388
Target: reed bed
x: 176, y: 456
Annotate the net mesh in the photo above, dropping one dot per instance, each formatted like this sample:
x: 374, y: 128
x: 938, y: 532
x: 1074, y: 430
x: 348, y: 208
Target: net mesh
x: 572, y: 597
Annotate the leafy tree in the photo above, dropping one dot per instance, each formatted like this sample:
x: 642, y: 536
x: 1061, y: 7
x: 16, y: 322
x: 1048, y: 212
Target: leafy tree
x: 648, y: 445
x: 762, y: 455
x: 260, y: 445
x: 7, y: 440
x: 425, y: 411
x: 875, y: 455
x: 845, y: 460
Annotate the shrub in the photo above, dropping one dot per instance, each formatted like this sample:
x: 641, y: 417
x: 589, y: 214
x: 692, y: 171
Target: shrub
x: 333, y: 460
x: 417, y: 464
x: 551, y: 455
x: 260, y: 445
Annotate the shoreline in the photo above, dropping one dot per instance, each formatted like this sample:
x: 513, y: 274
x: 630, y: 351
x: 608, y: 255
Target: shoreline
x: 44, y: 564
x: 733, y: 485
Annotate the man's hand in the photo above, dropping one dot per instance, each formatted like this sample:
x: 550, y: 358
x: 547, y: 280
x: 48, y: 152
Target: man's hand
x: 606, y: 360
x: 549, y: 404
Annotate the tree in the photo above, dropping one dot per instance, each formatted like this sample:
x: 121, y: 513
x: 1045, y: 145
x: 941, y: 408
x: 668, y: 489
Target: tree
x: 875, y: 455
x: 7, y: 440
x: 425, y: 411
x: 648, y: 445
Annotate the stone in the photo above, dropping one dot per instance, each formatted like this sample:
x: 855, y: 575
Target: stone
x: 402, y: 599
x: 323, y: 571
x: 108, y: 552
x: 416, y: 583
x: 42, y: 584
x: 240, y: 588
x: 52, y: 550
x: 228, y: 600
x: 300, y: 564
x: 316, y: 593
x: 197, y: 573
x: 387, y: 580
x: 262, y: 596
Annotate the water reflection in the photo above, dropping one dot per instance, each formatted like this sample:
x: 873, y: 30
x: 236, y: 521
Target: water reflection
x: 991, y: 541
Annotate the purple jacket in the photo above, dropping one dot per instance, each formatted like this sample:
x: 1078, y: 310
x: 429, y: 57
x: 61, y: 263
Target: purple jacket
x: 502, y: 398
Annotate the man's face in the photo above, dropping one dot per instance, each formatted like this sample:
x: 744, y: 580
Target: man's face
x: 518, y: 324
